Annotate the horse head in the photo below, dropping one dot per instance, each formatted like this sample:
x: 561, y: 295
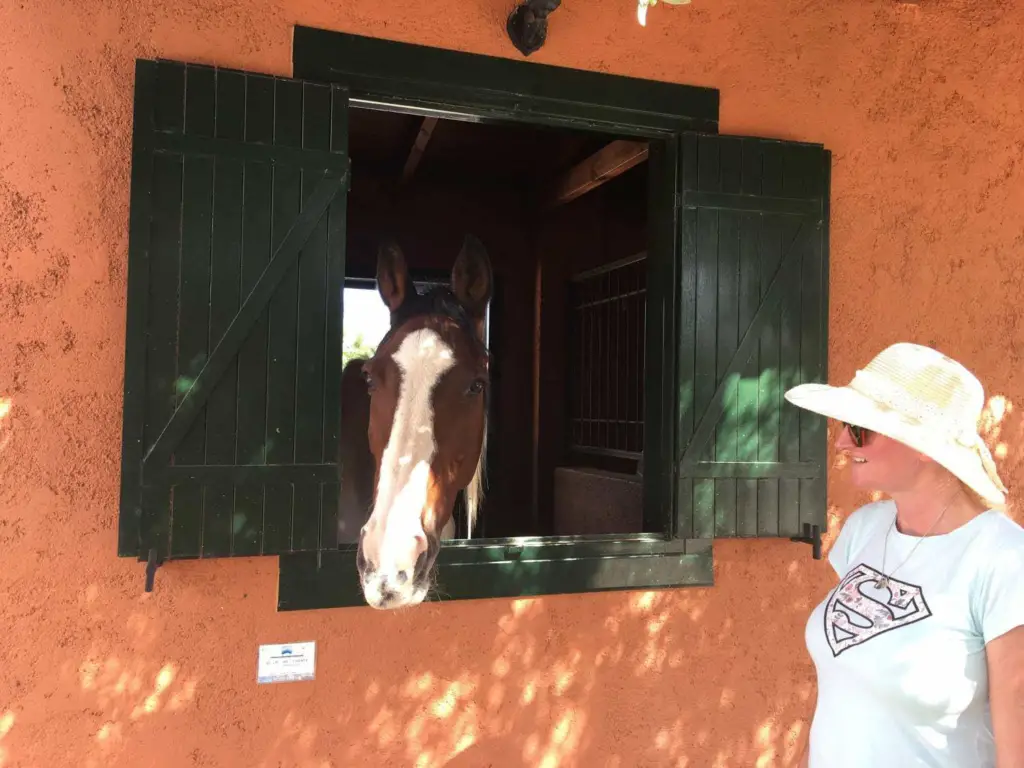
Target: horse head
x: 428, y: 383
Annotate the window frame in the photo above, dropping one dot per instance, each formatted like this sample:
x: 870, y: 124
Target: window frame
x: 381, y: 74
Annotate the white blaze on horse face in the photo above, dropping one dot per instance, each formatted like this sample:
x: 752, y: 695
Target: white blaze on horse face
x: 423, y: 358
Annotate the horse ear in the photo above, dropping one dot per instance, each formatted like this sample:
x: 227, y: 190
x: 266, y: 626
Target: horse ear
x: 392, y: 275
x: 472, y: 279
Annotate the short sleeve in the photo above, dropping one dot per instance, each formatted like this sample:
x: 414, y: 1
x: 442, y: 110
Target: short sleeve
x: 1000, y: 599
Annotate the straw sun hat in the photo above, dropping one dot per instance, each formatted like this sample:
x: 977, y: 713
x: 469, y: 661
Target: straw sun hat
x: 921, y: 398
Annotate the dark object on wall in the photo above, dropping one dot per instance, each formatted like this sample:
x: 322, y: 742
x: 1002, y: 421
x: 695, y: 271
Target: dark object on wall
x: 527, y: 25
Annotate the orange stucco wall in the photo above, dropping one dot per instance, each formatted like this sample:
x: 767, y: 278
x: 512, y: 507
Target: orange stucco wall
x: 924, y: 109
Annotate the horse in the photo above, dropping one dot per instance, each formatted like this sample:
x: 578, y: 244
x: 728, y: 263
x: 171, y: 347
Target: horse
x: 414, y: 430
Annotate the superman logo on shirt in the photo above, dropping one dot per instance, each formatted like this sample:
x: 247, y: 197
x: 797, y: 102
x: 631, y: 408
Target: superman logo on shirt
x: 860, y: 610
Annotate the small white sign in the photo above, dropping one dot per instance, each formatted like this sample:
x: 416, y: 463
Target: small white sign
x: 286, y: 663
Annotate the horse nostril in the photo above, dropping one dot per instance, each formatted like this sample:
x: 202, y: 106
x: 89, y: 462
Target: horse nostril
x: 401, y: 577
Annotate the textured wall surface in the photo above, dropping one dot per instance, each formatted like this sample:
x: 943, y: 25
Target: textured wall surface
x: 923, y: 107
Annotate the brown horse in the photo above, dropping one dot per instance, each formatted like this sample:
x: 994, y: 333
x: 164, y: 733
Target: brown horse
x: 423, y: 413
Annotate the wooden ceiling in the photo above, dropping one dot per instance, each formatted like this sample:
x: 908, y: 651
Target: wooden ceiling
x: 557, y: 164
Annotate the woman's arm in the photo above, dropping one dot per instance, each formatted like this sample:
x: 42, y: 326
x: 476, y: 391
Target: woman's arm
x: 1005, y: 657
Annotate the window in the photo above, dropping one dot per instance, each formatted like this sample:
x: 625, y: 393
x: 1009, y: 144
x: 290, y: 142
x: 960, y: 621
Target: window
x: 366, y: 321
x: 650, y: 374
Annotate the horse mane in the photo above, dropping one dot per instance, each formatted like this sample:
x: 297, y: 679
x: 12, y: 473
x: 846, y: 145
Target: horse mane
x: 440, y: 300
x: 475, y: 489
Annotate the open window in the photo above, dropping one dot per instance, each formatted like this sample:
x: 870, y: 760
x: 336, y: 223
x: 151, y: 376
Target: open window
x: 366, y: 321
x: 657, y: 287
x: 556, y: 237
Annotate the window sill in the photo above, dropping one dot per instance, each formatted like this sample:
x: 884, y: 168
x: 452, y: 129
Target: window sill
x: 509, y: 568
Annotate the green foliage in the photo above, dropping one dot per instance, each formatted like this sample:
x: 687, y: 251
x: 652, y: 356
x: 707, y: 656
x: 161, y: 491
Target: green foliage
x: 356, y: 346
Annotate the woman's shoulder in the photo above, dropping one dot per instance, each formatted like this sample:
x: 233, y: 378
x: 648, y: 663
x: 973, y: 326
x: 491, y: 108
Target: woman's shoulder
x: 857, y: 528
x: 1001, y: 531
x: 872, y: 514
x: 997, y: 548
x: 997, y: 595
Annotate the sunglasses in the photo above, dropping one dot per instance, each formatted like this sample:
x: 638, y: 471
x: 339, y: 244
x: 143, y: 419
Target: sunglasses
x: 859, y: 434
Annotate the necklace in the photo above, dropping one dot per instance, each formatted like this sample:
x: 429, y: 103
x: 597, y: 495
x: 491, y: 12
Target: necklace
x: 883, y: 581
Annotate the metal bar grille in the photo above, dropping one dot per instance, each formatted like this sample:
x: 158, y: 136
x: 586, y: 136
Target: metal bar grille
x: 606, y: 346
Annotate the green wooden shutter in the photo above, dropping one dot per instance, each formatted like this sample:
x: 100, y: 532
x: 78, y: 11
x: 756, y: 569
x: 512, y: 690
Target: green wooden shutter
x: 753, y: 322
x: 233, y: 345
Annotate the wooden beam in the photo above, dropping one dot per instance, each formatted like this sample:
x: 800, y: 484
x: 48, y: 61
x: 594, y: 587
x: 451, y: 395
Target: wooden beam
x: 608, y: 162
x: 418, y: 147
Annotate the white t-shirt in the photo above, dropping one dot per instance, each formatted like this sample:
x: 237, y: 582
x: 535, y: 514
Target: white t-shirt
x: 902, y: 676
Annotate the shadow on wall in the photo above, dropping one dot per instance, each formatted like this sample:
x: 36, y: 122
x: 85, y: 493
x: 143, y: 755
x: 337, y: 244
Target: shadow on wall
x: 623, y: 679
x: 658, y: 681
x: 1002, y: 426
x: 643, y: 686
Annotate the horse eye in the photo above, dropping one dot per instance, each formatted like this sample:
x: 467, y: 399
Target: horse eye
x: 476, y: 387
x: 370, y: 383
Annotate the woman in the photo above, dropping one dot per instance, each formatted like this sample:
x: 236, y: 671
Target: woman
x: 919, y: 650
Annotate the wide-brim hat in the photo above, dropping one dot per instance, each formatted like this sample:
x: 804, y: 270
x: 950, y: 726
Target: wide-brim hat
x: 921, y: 398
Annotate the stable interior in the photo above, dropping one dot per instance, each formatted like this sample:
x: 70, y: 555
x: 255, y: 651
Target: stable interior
x: 566, y: 325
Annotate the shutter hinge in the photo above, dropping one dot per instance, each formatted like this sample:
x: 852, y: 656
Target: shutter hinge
x: 812, y: 536
x: 152, y: 563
